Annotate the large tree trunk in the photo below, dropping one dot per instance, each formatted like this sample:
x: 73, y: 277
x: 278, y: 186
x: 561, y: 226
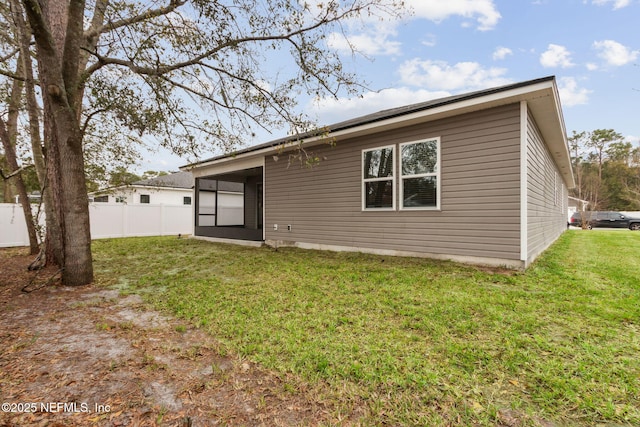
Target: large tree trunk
x: 10, y: 189
x: 9, y: 136
x: 78, y: 268
x: 48, y: 166
x: 58, y: 46
x: 12, y: 162
x: 54, y: 247
x: 24, y: 39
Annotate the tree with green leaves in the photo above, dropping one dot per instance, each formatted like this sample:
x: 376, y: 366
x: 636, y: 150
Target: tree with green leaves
x: 190, y: 73
x: 606, y: 169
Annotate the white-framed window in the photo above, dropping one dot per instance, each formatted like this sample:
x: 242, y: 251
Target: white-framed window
x: 378, y: 178
x: 420, y: 174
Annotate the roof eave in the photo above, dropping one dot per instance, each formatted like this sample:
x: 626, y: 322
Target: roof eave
x: 541, y: 95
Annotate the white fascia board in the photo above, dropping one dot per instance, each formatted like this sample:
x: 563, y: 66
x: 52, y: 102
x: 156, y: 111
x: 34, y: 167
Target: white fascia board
x: 228, y: 164
x: 524, y: 184
x: 567, y: 169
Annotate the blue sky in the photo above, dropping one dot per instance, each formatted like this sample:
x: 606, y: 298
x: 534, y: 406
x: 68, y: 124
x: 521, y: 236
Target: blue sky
x: 454, y: 46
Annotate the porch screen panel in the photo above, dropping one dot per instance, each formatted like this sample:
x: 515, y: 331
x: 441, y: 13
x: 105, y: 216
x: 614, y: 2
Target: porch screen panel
x: 230, y: 208
x: 207, y: 208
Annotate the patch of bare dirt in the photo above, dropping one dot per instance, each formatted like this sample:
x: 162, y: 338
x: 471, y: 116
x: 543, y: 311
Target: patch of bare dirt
x: 88, y: 356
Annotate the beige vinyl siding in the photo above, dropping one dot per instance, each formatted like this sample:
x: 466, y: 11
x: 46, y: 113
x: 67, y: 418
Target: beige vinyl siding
x: 546, y: 218
x: 480, y: 192
x: 250, y: 205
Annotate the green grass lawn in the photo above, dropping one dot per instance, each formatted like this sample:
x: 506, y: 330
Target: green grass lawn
x: 413, y: 341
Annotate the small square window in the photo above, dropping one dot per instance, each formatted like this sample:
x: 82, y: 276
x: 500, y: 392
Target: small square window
x: 145, y: 198
x: 186, y: 200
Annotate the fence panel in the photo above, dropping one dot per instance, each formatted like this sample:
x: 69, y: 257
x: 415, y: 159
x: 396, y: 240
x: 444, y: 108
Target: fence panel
x: 13, y: 229
x: 107, y: 220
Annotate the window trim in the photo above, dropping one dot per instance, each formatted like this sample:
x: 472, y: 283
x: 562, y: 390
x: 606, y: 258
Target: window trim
x: 367, y: 180
x: 435, y: 174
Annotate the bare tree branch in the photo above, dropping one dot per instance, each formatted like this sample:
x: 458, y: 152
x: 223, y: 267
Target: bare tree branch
x: 159, y: 69
x: 97, y: 30
x: 9, y: 55
x: 15, y: 172
x: 12, y: 75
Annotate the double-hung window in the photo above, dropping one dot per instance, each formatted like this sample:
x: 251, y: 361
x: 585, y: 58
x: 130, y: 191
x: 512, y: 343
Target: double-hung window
x: 419, y: 174
x: 378, y: 178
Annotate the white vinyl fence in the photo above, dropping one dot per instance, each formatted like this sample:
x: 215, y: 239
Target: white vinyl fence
x: 13, y: 231
x: 107, y: 220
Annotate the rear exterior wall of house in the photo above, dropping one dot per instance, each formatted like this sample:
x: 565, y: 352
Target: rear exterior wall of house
x: 478, y: 216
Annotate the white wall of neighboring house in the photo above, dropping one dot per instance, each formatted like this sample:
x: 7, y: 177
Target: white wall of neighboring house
x: 107, y: 220
x: 157, y: 196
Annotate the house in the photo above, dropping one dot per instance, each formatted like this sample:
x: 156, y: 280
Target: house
x: 576, y: 205
x: 481, y: 177
x: 34, y: 197
x: 171, y: 189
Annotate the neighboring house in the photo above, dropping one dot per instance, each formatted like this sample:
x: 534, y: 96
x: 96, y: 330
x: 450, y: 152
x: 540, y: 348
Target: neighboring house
x: 576, y: 205
x: 172, y: 189
x: 481, y: 177
x: 34, y: 197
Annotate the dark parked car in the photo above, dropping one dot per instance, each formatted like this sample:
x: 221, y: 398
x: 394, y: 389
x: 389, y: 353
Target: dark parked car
x: 604, y: 219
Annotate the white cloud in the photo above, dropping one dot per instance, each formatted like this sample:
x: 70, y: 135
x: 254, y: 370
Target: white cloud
x: 330, y: 110
x: 570, y: 93
x: 484, y: 12
x: 615, y: 53
x: 439, y: 75
x: 501, y: 53
x: 377, y: 42
x: 365, y: 33
x: 556, y: 56
x: 591, y: 66
x: 633, y: 139
x: 617, y: 4
x: 379, y: 39
x: 430, y: 40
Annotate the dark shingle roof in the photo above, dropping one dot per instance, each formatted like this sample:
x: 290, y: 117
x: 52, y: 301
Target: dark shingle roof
x: 174, y: 180
x: 384, y: 115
